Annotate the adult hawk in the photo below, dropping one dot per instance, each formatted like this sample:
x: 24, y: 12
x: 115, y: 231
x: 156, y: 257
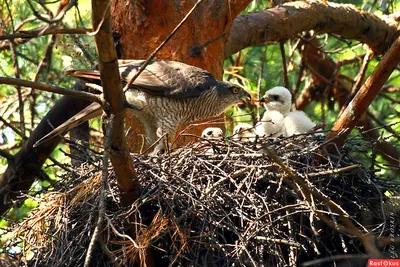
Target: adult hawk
x: 168, y: 93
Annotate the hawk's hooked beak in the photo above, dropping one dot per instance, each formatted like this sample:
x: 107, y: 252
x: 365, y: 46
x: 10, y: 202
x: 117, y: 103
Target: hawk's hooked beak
x: 246, y: 97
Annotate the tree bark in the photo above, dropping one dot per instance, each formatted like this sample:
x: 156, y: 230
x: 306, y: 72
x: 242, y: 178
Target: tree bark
x: 117, y: 148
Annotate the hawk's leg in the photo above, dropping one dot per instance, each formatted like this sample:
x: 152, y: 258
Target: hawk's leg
x: 163, y: 143
x: 155, y: 137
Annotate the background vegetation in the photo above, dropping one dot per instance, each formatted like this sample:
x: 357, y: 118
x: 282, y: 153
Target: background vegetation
x: 45, y: 59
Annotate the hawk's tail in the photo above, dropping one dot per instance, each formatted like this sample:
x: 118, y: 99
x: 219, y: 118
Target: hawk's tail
x: 86, y: 75
x: 92, y: 111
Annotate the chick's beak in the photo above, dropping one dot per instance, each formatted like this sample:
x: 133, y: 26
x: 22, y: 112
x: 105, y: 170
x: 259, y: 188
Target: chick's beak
x: 265, y: 99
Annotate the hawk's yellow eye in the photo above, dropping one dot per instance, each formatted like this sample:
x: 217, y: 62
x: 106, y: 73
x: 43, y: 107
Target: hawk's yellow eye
x: 235, y: 90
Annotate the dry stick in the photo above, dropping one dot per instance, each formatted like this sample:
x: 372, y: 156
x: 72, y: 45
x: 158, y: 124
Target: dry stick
x: 10, y: 14
x: 361, y: 74
x: 22, y: 23
x: 51, y: 88
x: 360, y: 77
x: 111, y: 81
x: 59, y: 16
x: 345, y: 62
x: 292, y: 250
x: 12, y: 127
x: 17, y: 76
x: 356, y: 108
x: 100, y: 23
x: 36, y: 33
x: 336, y: 171
x: 366, y: 239
x: 260, y: 77
x: 382, y: 124
x: 42, y: 64
x: 285, y: 74
x: 298, y: 83
x: 151, y: 57
x: 8, y: 106
x: 102, y: 205
x: 46, y: 9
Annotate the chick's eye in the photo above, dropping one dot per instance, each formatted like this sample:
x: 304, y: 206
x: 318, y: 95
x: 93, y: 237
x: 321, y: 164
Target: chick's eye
x: 276, y: 98
x: 235, y: 90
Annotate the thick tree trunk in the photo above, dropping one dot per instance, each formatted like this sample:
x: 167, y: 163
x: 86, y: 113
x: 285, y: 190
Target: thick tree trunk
x: 143, y: 25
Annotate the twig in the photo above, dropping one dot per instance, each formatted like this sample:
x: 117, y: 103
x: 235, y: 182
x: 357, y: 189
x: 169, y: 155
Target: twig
x: 359, y: 79
x: 42, y: 64
x: 17, y: 76
x: 102, y: 205
x: 6, y: 123
x: 366, y: 239
x: 382, y: 124
x: 260, y: 78
x: 276, y: 240
x: 298, y: 83
x: 35, y: 33
x: 59, y: 16
x: 336, y: 171
x: 51, y: 88
x: 285, y: 73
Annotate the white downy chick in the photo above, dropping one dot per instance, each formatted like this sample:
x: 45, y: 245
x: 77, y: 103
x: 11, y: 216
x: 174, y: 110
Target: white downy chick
x: 212, y: 133
x: 272, y: 124
x: 297, y: 122
x: 244, y: 132
x: 279, y: 99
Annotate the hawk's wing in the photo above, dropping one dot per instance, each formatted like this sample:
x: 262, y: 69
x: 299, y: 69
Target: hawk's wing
x: 161, y: 77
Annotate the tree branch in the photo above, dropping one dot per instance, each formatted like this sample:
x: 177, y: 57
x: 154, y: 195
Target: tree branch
x: 114, y: 95
x: 288, y: 20
x: 51, y: 88
x: 36, y: 33
x: 366, y: 95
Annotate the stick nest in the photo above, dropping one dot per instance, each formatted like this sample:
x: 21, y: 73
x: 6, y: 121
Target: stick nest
x: 215, y: 203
